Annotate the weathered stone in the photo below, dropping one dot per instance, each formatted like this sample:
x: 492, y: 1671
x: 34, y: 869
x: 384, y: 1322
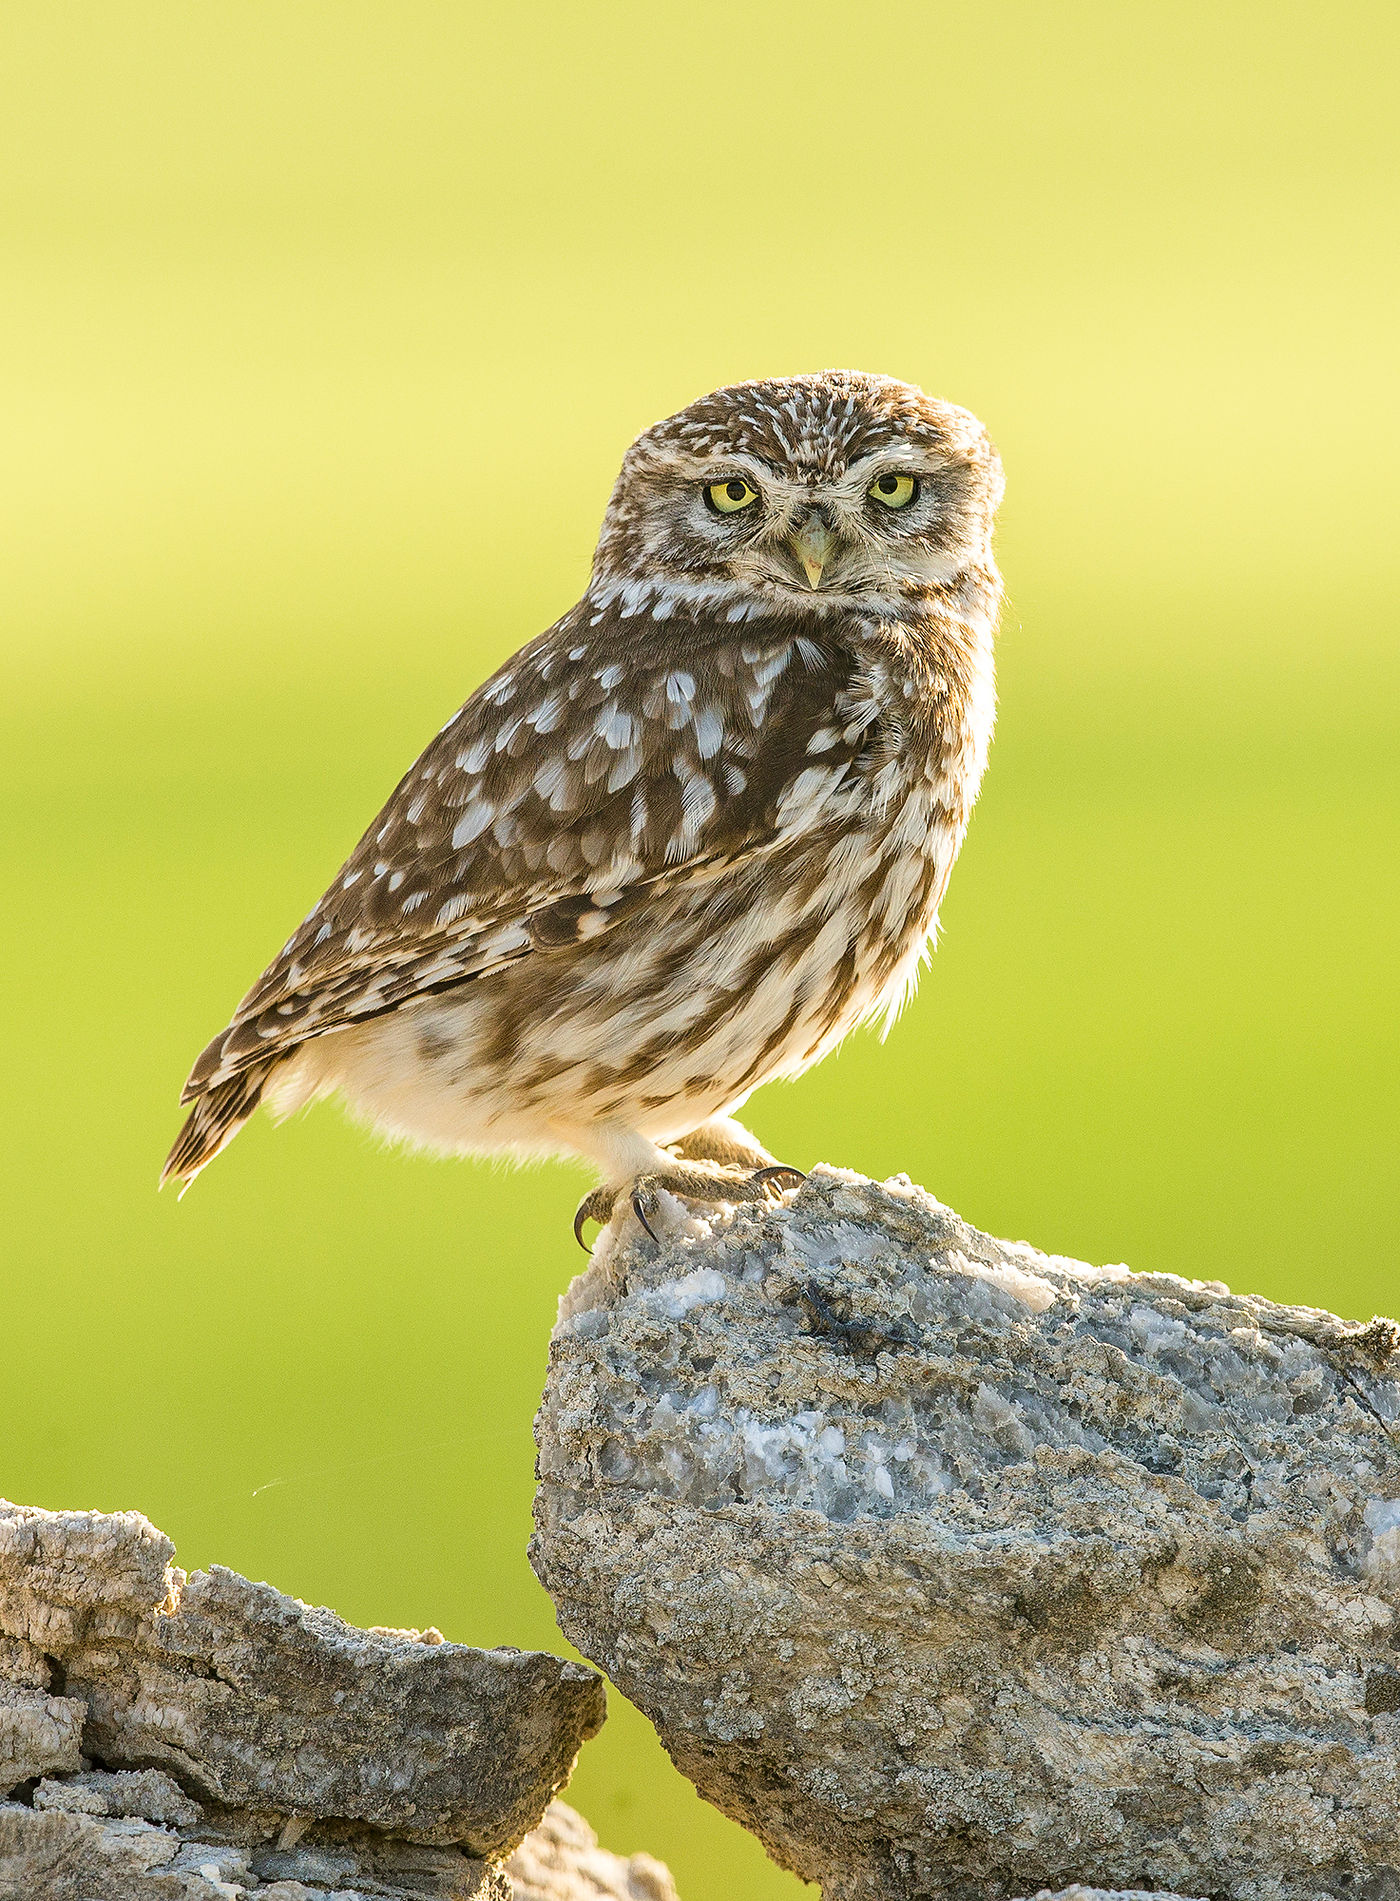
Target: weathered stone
x: 1078, y: 1893
x: 249, y: 1746
x: 39, y: 1734
x: 93, y: 1839
x: 70, y: 1854
x: 953, y: 1570
x: 253, y: 1700
x: 67, y: 1575
x: 145, y: 1795
x: 561, y: 1861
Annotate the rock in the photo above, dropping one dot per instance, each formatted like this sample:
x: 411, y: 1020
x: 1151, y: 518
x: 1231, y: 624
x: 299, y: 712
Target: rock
x: 1078, y: 1893
x: 166, y: 1738
x: 561, y: 1861
x: 955, y: 1570
x: 65, y: 1854
x: 253, y: 1700
x: 39, y: 1734
x: 65, y: 1849
x: 77, y: 1857
x: 144, y: 1795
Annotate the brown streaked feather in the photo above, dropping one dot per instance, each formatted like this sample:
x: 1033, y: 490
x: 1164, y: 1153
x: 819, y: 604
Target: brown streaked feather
x: 692, y: 834
x: 560, y: 797
x: 211, y: 1125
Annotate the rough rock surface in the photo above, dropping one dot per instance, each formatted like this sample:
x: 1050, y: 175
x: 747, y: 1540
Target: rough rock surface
x: 75, y: 1843
x: 1081, y: 1893
x: 254, y: 1700
x: 165, y: 1738
x: 561, y: 1861
x: 954, y: 1570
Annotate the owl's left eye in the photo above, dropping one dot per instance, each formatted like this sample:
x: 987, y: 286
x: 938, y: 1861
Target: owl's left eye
x: 727, y: 498
x: 894, y: 491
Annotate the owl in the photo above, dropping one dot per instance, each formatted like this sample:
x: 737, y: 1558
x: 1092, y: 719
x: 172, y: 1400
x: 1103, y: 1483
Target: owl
x: 684, y: 841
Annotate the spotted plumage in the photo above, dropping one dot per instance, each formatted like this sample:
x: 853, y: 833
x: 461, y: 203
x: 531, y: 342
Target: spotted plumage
x: 682, y: 842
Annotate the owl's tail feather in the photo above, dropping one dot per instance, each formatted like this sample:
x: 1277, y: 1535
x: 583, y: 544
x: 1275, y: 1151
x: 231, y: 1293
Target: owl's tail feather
x: 211, y: 1125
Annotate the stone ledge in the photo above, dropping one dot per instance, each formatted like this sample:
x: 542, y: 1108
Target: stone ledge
x: 204, y: 1738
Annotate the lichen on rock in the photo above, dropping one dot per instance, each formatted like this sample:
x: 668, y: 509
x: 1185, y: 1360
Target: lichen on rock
x: 957, y: 1570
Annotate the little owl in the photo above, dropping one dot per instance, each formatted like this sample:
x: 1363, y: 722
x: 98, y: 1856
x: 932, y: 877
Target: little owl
x: 684, y: 841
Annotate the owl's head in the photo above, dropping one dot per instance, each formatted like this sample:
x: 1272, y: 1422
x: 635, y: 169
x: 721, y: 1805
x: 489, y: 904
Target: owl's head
x: 838, y: 487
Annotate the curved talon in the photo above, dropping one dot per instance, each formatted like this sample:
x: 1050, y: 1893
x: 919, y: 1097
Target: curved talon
x: 639, y: 1211
x: 762, y: 1176
x: 597, y: 1205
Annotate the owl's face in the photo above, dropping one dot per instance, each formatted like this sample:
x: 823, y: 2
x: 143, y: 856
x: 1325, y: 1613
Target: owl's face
x: 838, y: 489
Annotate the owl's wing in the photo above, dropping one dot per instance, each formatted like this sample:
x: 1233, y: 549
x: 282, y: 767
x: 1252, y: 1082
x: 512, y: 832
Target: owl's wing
x: 607, y: 761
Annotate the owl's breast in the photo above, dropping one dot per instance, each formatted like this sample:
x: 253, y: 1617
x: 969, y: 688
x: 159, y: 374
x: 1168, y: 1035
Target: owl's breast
x: 909, y: 798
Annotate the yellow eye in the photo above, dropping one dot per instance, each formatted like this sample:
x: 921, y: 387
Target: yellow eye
x: 727, y: 498
x: 894, y: 491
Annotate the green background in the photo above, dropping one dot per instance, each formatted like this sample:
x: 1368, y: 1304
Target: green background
x: 322, y: 329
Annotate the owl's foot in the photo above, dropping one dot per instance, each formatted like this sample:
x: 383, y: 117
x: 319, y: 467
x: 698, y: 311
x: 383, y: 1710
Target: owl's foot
x: 725, y: 1141
x: 696, y: 1181
x: 689, y: 1181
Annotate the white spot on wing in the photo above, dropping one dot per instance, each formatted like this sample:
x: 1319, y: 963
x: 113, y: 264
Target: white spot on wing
x: 625, y: 770
x: 614, y: 727
x: 709, y: 731
x: 472, y: 823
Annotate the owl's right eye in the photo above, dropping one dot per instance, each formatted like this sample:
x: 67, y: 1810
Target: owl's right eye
x: 727, y: 498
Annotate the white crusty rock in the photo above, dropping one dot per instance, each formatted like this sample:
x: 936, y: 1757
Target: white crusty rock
x: 955, y: 1570
x: 165, y: 1738
x: 561, y: 1861
x: 1079, y: 1893
x: 39, y: 1734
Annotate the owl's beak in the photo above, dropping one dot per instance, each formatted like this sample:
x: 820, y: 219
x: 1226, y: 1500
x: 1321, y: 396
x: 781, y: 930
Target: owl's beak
x: 812, y: 544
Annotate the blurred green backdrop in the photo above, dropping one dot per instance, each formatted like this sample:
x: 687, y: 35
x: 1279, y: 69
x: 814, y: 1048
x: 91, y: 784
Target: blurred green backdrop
x: 322, y: 329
